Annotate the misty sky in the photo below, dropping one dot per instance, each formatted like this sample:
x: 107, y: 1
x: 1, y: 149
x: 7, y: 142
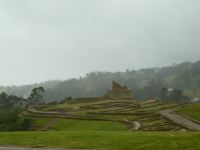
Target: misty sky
x: 60, y: 39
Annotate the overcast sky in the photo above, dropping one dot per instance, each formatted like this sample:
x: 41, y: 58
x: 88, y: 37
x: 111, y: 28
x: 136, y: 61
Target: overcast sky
x: 61, y: 39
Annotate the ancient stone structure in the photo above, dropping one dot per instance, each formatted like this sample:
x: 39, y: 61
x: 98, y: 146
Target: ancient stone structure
x: 119, y: 92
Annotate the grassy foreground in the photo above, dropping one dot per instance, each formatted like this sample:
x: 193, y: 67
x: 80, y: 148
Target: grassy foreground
x: 104, y: 140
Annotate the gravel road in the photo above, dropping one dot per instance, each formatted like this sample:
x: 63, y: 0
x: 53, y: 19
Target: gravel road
x: 181, y: 120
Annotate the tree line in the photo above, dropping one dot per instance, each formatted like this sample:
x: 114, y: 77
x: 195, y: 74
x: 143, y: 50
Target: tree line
x: 11, y: 108
x: 145, y: 83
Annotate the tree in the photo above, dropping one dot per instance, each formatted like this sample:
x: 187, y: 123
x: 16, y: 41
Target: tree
x: 177, y: 95
x: 4, y: 103
x: 174, y: 95
x: 36, y: 95
x: 11, y: 108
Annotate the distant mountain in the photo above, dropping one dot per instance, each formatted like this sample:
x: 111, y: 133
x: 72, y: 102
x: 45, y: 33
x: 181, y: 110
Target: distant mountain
x: 146, y: 83
x: 25, y: 90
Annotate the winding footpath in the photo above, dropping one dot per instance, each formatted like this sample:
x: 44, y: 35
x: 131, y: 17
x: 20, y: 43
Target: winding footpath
x: 49, y: 125
x: 135, y: 125
x: 179, y: 119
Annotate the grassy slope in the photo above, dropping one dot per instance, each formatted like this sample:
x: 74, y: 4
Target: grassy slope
x: 120, y: 140
x: 113, y: 110
x: 83, y: 125
x: 76, y: 125
x: 192, y: 110
x: 38, y: 123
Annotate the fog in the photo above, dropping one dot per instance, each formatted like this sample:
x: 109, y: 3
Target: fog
x: 61, y: 39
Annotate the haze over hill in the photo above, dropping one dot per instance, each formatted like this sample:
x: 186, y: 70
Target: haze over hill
x: 146, y: 83
x: 60, y: 39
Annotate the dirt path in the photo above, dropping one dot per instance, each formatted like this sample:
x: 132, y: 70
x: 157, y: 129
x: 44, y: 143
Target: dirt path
x: 135, y: 125
x: 178, y: 119
x: 49, y: 125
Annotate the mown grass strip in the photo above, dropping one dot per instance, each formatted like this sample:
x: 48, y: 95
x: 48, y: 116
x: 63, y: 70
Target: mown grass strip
x: 104, y: 140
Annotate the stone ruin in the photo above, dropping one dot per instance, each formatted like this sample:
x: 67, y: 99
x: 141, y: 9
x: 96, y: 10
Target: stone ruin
x: 119, y: 92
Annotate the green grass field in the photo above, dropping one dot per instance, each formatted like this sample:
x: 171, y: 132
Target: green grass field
x: 105, y: 125
x: 61, y: 124
x: 38, y: 123
x: 104, y: 140
x: 84, y: 125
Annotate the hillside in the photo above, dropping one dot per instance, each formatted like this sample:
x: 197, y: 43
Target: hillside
x: 106, y: 124
x: 131, y: 114
x: 103, y: 124
x: 146, y: 83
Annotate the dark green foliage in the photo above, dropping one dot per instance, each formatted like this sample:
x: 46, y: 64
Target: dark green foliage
x: 11, y: 108
x: 11, y: 121
x: 10, y: 101
x: 36, y: 95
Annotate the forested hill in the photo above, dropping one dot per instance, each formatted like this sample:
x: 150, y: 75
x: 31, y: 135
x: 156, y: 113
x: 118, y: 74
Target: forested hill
x: 146, y: 83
